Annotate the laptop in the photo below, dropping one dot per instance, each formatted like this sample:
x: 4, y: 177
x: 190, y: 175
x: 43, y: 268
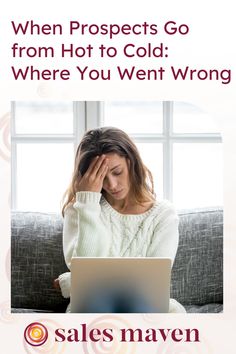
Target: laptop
x: 114, y: 285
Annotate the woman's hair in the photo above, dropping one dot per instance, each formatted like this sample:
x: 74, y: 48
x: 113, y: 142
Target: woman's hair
x: 111, y: 140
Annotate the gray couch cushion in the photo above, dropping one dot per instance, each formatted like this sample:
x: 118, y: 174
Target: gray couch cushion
x: 20, y: 310
x: 209, y: 308
x: 37, y: 259
x: 197, y: 276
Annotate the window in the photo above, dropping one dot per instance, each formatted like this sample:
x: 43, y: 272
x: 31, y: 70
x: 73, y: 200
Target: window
x: 179, y: 143
x: 44, y: 135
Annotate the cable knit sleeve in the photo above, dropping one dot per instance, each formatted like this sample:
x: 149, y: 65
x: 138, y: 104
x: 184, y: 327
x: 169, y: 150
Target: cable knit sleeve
x: 84, y: 234
x: 65, y: 283
x: 165, y: 239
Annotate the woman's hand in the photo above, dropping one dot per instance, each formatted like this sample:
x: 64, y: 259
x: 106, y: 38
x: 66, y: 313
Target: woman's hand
x: 92, y: 180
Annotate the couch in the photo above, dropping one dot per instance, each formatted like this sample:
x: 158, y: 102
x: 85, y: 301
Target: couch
x: 37, y: 259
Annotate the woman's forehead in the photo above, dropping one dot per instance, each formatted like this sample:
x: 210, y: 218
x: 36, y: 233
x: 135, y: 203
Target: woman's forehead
x: 115, y: 159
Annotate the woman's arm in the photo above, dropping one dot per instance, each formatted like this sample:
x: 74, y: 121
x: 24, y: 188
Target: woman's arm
x: 84, y: 234
x: 165, y: 239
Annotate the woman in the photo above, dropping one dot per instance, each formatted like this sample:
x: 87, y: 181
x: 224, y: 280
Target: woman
x: 110, y: 210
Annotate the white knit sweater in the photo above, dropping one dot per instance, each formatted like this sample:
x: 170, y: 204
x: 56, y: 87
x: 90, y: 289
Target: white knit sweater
x: 92, y: 228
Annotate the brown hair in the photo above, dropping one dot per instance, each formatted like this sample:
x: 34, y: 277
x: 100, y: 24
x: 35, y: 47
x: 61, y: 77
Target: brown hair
x: 111, y: 140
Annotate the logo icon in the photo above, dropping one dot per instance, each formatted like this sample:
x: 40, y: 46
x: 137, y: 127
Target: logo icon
x: 36, y: 334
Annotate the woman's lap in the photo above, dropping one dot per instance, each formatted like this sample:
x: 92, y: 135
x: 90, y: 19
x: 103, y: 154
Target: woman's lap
x: 174, y: 307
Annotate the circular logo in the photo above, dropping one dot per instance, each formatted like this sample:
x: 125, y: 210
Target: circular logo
x: 36, y: 334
